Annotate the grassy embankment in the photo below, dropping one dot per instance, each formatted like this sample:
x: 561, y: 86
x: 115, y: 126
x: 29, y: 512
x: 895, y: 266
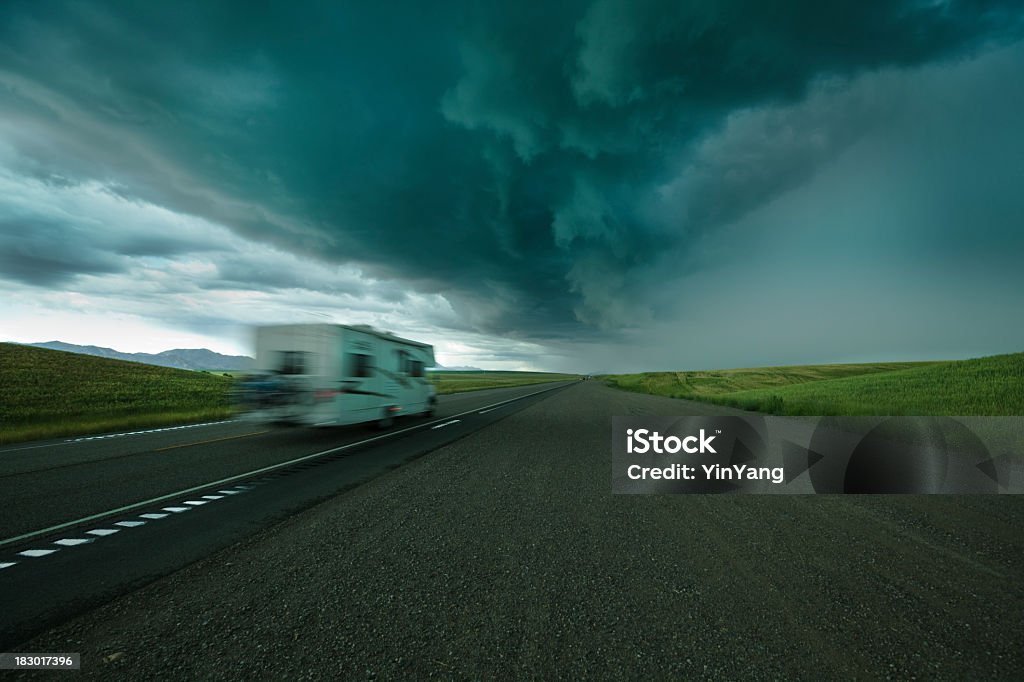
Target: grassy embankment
x: 984, y: 386
x: 457, y: 382
x: 47, y: 393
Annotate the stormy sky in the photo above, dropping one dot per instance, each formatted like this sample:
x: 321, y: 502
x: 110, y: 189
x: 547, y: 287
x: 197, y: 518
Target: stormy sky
x: 610, y: 185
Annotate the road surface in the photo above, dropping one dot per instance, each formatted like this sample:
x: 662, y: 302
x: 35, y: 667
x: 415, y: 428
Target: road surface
x: 504, y: 555
x: 88, y: 519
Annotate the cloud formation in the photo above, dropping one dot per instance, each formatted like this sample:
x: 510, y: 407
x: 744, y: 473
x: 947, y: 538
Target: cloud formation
x: 546, y: 170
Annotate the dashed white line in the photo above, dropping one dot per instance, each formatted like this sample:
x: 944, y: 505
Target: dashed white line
x: 102, y: 532
x: 448, y: 423
x: 36, y: 552
x: 7, y: 564
x: 139, y: 433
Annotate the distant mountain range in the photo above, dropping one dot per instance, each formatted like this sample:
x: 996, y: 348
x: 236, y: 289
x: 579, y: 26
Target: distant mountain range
x: 187, y: 358
x: 180, y: 358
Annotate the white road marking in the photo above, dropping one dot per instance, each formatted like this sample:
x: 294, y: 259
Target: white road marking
x: 71, y: 542
x: 229, y: 492
x: 449, y: 423
x: 177, y: 510
x: 153, y: 517
x: 83, y: 439
x: 249, y: 474
x: 8, y: 564
x: 36, y: 552
x: 196, y: 503
x: 490, y: 409
x: 103, y: 532
x: 139, y: 433
x: 213, y: 497
x: 131, y: 524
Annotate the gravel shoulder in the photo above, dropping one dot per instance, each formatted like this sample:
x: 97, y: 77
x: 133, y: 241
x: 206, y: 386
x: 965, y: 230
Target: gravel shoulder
x: 505, y: 555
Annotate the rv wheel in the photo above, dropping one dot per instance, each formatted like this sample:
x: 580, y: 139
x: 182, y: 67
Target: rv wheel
x: 387, y: 419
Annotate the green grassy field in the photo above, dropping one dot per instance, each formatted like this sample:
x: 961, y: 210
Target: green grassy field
x: 47, y: 393
x: 985, y: 386
x: 457, y: 382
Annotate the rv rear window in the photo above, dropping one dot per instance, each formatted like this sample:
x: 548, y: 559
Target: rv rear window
x: 293, y: 362
x: 358, y: 365
x: 417, y: 368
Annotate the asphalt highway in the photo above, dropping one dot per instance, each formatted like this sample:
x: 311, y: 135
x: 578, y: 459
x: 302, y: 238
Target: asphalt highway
x: 51, y: 482
x: 503, y: 554
x: 87, y: 519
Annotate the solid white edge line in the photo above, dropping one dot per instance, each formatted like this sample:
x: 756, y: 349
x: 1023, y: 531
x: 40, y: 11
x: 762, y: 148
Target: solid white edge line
x: 441, y: 426
x: 272, y: 467
x: 81, y: 439
x: 84, y: 439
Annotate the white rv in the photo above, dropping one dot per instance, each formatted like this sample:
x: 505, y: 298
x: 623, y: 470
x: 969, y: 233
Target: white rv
x: 330, y: 374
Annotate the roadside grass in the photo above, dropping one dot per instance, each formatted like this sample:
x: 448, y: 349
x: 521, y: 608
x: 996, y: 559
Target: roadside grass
x: 86, y: 426
x: 48, y: 393
x: 458, y: 382
x: 984, y: 386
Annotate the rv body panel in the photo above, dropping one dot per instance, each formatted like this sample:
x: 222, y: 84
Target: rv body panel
x: 323, y: 374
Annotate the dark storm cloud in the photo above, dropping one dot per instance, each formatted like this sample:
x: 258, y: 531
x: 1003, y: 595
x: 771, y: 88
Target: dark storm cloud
x: 53, y: 230
x: 524, y: 162
x: 42, y: 253
x: 271, y: 272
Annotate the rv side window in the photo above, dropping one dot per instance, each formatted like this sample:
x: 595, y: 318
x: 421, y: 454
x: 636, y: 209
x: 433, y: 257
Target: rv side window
x: 358, y: 365
x: 417, y: 368
x: 401, y: 361
x: 292, y: 362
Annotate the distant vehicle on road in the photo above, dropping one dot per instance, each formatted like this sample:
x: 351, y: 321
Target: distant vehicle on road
x: 331, y: 374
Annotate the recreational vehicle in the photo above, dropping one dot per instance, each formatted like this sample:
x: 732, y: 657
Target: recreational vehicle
x: 330, y: 374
